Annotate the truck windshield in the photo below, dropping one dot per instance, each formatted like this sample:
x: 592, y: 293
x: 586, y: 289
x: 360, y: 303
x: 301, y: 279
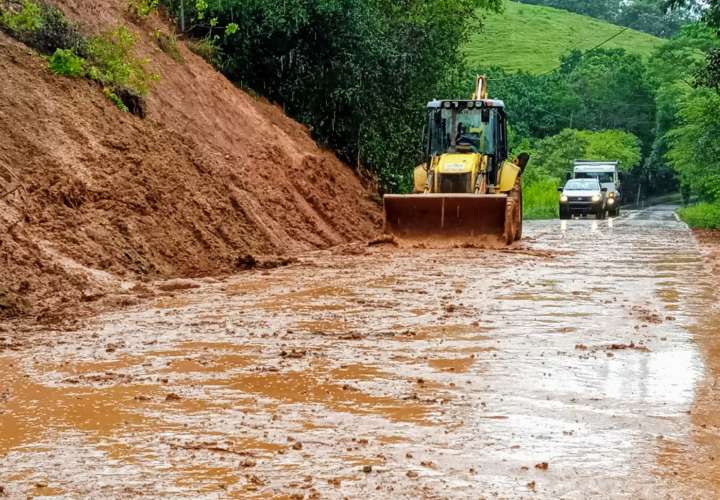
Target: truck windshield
x: 454, y: 130
x: 603, y: 177
x: 582, y: 185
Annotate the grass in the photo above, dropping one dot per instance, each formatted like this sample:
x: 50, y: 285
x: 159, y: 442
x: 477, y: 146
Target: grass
x: 540, y: 200
x: 532, y: 38
x: 702, y: 215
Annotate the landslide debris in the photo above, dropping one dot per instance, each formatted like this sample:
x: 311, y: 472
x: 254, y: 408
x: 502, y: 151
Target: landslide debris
x: 96, y: 199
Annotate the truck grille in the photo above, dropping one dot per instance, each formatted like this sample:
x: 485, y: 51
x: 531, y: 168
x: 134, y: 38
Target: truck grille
x: 455, y: 183
x: 579, y: 198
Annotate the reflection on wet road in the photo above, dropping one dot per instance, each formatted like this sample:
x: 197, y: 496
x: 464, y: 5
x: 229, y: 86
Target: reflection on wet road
x: 565, y: 368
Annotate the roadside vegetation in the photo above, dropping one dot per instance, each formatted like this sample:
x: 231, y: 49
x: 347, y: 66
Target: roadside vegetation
x: 689, y: 115
x: 108, y: 58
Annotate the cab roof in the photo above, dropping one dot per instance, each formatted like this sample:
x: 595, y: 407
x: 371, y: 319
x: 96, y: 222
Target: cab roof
x: 463, y: 103
x: 583, y: 166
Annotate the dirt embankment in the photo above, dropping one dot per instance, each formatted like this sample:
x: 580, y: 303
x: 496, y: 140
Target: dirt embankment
x: 104, y: 198
x: 710, y: 245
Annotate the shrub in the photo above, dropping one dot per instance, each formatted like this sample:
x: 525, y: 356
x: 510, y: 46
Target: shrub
x: 168, y: 44
x: 57, y: 32
x: 115, y: 99
x: 702, y: 215
x: 27, y: 20
x: 114, y: 64
x: 142, y: 8
x: 208, y: 49
x: 42, y: 27
x: 541, y: 199
x: 66, y: 63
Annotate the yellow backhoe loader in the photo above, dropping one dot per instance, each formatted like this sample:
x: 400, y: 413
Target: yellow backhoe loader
x: 466, y: 189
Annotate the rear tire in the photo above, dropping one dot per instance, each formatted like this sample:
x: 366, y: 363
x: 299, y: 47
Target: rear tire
x: 517, y: 194
x: 511, y: 228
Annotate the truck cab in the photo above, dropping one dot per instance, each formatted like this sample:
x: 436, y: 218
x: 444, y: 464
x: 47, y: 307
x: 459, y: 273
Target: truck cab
x: 606, y: 172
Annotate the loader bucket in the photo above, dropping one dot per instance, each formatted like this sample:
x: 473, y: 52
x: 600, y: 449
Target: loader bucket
x: 456, y: 217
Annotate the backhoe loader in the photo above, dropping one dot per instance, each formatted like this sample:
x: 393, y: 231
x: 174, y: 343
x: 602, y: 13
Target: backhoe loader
x: 465, y: 189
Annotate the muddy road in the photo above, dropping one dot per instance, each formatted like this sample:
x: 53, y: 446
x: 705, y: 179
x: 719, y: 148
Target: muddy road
x: 582, y: 363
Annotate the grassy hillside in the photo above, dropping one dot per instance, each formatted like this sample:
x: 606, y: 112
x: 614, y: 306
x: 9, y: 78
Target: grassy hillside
x: 533, y: 38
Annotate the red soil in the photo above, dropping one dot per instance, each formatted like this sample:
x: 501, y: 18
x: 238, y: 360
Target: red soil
x: 105, y: 197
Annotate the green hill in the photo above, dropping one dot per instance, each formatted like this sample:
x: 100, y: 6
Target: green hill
x: 533, y: 38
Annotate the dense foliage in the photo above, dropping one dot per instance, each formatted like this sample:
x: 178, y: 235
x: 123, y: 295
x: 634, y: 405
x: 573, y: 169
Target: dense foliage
x: 357, y: 73
x: 689, y: 114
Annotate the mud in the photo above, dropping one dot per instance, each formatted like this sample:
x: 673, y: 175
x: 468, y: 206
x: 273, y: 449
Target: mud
x: 582, y: 363
x: 94, y: 201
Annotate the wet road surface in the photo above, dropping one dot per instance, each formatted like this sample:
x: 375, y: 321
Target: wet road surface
x: 581, y: 364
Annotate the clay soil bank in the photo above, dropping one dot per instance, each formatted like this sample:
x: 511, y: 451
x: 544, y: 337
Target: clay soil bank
x: 106, y: 200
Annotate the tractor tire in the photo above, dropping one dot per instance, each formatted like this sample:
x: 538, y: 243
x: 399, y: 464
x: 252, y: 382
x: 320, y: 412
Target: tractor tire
x: 511, y: 226
x: 518, y: 195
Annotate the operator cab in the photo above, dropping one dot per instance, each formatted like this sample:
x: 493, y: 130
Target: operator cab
x: 475, y: 126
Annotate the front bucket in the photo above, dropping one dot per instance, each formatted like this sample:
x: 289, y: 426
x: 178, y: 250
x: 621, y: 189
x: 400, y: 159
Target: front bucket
x: 466, y: 217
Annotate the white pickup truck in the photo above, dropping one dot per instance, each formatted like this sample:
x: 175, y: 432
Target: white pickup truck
x: 606, y: 172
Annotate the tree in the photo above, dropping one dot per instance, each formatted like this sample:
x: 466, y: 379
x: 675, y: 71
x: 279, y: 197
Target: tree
x: 694, y: 149
x: 612, y: 145
x: 357, y: 72
x: 554, y: 156
x: 613, y: 91
x: 709, y: 75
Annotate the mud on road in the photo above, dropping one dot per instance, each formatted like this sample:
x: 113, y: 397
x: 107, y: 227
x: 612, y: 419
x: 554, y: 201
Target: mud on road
x: 581, y: 363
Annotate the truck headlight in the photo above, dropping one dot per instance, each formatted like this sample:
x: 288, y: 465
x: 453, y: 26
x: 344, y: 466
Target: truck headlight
x: 611, y: 201
x: 596, y: 198
x: 563, y: 199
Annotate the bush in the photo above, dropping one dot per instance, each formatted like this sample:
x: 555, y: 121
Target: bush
x: 43, y: 27
x: 168, y: 44
x: 27, y: 20
x: 114, y: 65
x: 57, y: 32
x: 115, y: 99
x: 142, y: 8
x: 702, y: 215
x: 540, y: 199
x: 208, y: 49
x: 66, y: 63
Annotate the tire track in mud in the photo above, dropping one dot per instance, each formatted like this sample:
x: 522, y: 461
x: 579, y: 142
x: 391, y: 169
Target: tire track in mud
x: 566, y: 368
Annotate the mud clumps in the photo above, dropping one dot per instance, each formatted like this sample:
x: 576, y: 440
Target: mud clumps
x: 175, y: 285
x: 250, y: 262
x: 12, y: 304
x: 384, y: 239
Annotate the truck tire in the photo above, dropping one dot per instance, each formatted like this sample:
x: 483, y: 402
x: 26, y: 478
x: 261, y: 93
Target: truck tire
x: 519, y: 210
